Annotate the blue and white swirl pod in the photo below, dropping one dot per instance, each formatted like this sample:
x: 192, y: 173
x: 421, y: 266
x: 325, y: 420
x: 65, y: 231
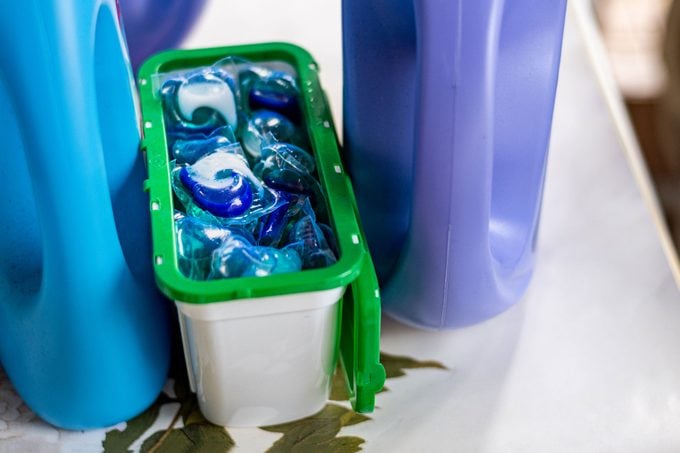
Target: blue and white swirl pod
x: 207, y: 91
x: 219, y: 183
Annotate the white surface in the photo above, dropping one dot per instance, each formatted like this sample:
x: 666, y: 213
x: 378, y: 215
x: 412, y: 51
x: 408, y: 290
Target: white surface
x: 589, y: 361
x: 264, y: 361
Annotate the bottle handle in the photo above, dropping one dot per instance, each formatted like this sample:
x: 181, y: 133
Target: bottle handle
x: 486, y: 77
x: 78, y: 347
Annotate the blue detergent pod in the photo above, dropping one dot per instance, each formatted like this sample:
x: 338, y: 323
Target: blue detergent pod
x: 220, y: 187
x: 196, y: 241
x: 189, y: 150
x: 309, y: 241
x: 265, y: 128
x: 289, y: 168
x: 237, y: 257
x: 276, y: 91
x: 198, y: 102
x: 247, y: 74
x: 275, y: 227
x: 225, y: 193
x: 272, y: 227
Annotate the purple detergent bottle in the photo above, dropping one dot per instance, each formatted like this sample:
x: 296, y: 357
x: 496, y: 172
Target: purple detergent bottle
x: 447, y: 114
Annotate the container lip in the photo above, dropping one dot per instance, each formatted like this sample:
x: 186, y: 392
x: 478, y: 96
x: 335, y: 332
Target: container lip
x: 333, y: 178
x: 262, y: 306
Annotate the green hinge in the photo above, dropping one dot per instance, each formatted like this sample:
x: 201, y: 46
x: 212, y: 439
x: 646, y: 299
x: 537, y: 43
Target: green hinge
x: 360, y: 330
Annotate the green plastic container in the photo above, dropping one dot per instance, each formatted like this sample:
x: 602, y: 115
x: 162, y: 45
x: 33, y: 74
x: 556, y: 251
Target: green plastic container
x: 261, y: 350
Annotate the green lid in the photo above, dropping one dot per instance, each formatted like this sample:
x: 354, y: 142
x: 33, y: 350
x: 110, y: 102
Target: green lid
x: 360, y: 332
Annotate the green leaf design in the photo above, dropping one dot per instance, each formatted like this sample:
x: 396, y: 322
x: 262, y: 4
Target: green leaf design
x: 318, y: 432
x: 353, y: 418
x: 197, y: 435
x: 189, y: 410
x: 344, y: 444
x: 119, y: 441
x: 195, y: 438
x: 395, y: 364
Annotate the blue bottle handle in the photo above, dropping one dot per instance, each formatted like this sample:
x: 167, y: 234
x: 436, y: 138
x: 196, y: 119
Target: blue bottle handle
x: 484, y: 82
x: 83, y: 332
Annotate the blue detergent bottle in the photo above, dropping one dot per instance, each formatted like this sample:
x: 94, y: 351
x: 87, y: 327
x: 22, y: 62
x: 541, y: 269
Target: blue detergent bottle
x: 84, y: 335
x: 447, y: 114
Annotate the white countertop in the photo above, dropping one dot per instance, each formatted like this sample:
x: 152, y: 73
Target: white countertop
x: 588, y: 361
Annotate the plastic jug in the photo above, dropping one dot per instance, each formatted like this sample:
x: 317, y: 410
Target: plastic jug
x: 447, y: 114
x: 83, y: 333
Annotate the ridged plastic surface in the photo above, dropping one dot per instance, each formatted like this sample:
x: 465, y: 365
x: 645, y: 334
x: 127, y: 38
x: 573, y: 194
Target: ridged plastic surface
x: 258, y: 362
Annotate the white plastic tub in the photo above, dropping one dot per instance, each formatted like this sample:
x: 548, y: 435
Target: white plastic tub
x: 262, y: 350
x: 261, y: 361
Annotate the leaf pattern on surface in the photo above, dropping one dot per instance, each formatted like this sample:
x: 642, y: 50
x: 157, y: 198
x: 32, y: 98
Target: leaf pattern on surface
x: 194, y: 438
x: 119, y: 441
x: 318, y: 432
x: 196, y: 435
x: 395, y: 364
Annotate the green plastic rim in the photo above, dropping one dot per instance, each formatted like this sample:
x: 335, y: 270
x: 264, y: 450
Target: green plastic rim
x: 333, y: 179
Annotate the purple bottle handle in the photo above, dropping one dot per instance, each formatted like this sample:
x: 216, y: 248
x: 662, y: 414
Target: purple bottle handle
x: 154, y: 25
x: 485, y: 79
